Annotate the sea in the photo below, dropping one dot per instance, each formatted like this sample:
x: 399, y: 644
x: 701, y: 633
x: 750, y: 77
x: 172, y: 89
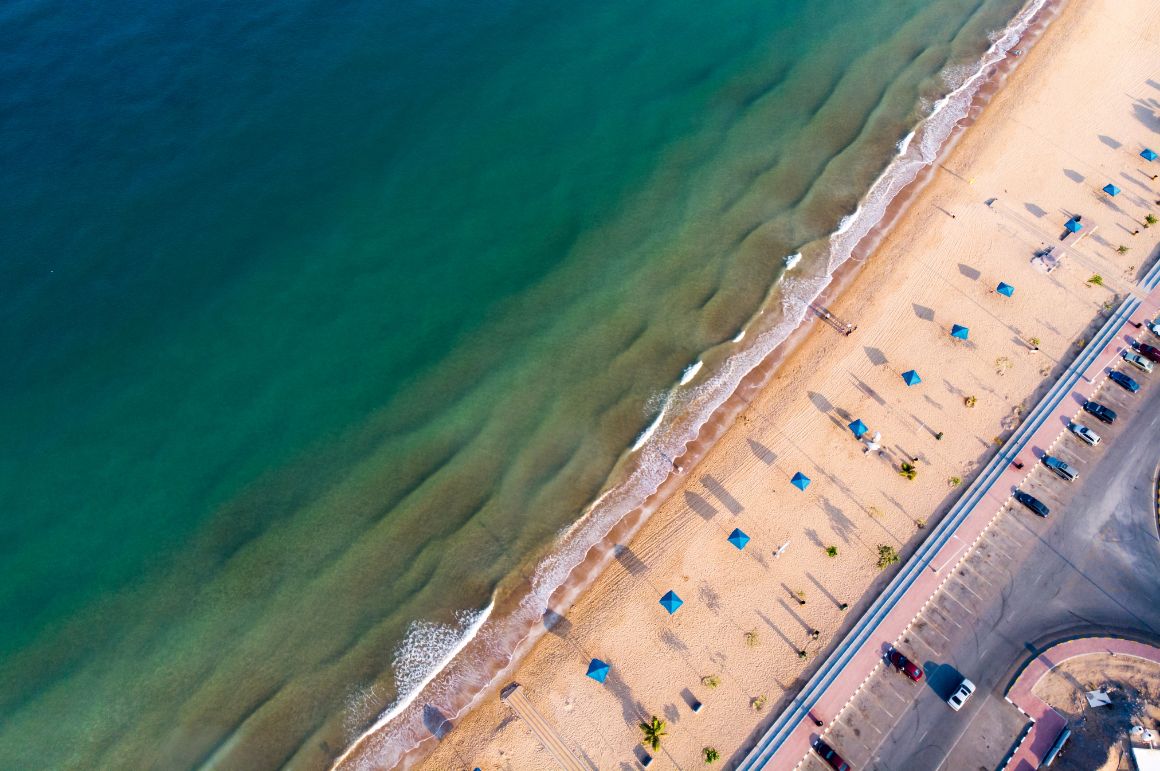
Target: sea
x: 333, y: 335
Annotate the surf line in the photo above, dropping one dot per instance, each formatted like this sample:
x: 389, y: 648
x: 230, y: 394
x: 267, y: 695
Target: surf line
x: 407, y: 700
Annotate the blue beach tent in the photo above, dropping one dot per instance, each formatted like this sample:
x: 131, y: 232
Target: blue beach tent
x: 738, y: 538
x: 1005, y: 289
x: 859, y: 428
x: 959, y: 331
x: 671, y: 602
x: 800, y: 481
x: 1111, y: 189
x: 1073, y: 225
x: 598, y: 670
x: 1147, y: 154
x: 911, y: 377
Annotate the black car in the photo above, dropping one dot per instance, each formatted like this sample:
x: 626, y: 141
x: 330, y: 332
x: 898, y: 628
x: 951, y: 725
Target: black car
x: 1100, y: 412
x: 1124, y: 381
x: 833, y: 759
x: 1033, y: 503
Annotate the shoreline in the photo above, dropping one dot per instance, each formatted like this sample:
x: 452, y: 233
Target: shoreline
x: 593, y: 629
x: 1036, y: 16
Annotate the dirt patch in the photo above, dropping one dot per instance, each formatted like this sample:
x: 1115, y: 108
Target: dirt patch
x: 1100, y: 735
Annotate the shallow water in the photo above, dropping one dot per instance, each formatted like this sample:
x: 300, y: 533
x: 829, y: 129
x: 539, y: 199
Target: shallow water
x: 323, y: 321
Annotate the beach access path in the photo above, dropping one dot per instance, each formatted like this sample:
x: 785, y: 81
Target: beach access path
x: 857, y: 657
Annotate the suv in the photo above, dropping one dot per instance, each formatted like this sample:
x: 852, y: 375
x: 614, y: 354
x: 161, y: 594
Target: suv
x: 1122, y: 380
x: 1060, y: 468
x: 1138, y: 361
x: 833, y: 759
x: 904, y: 665
x: 1084, y: 433
x: 1033, y: 503
x: 1149, y: 351
x: 961, y: 694
x: 1101, y: 412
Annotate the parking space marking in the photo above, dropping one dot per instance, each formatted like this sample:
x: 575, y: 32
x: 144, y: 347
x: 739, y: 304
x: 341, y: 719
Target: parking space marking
x: 970, y: 565
x: 943, y: 614
x: 959, y: 603
x: 927, y: 625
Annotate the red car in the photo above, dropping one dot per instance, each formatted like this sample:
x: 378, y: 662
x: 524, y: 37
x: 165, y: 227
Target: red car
x: 904, y: 665
x: 1149, y: 352
x: 832, y: 758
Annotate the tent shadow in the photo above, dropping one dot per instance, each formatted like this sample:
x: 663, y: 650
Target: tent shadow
x: 763, y: 453
x: 699, y: 505
x: 923, y: 312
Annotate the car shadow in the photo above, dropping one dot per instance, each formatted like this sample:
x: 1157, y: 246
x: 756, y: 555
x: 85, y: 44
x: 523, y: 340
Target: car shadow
x: 943, y: 679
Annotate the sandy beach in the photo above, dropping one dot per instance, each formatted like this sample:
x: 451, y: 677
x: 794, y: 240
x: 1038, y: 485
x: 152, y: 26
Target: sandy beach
x: 1074, y: 112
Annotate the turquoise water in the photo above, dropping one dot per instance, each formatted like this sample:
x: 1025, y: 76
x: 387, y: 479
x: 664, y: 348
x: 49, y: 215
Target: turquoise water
x: 320, y: 321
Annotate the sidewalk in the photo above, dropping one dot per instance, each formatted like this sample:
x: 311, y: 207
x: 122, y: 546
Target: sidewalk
x: 1047, y: 722
x: 839, y: 678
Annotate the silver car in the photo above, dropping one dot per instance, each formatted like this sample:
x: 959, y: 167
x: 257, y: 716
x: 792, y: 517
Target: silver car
x: 961, y: 694
x: 1084, y: 433
x: 1138, y: 361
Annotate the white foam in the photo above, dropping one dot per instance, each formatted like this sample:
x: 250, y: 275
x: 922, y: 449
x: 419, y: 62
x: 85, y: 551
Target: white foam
x: 425, y: 651
x: 691, y: 371
x: 905, y: 143
x: 737, y: 338
x: 652, y: 429
x: 792, y: 261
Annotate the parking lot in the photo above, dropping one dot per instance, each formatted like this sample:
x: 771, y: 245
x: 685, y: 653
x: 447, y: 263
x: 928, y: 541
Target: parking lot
x: 893, y: 723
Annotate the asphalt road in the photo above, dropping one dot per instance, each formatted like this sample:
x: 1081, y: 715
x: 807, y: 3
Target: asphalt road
x: 1093, y: 566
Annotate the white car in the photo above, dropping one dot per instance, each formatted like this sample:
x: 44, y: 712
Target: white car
x: 1138, y: 361
x: 961, y: 694
x: 1154, y: 327
x: 1084, y: 433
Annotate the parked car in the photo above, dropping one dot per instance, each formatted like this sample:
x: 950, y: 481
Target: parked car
x: 1060, y: 468
x: 1150, y: 352
x: 1084, y: 433
x: 1100, y: 412
x: 1033, y: 503
x: 1138, y: 361
x: 961, y: 694
x: 1120, y: 379
x: 833, y: 759
x: 1153, y: 327
x: 904, y: 665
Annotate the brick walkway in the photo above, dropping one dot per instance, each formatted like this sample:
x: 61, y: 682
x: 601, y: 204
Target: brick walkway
x: 1048, y: 722
x: 852, y: 663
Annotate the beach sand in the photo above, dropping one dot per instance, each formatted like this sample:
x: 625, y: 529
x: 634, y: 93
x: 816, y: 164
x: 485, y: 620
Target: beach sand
x: 1072, y: 116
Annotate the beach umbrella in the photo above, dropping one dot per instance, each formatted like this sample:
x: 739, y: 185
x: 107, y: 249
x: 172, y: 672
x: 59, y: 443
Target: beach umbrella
x: 738, y: 538
x: 598, y: 670
x: 1147, y: 154
x: 859, y: 428
x: 911, y: 377
x: 959, y: 331
x: 1005, y: 289
x: 671, y: 601
x: 1111, y: 189
x: 1073, y: 226
x: 800, y: 481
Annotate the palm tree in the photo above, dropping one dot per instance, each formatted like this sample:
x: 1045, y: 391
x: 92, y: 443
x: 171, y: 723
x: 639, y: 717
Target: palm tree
x: 654, y: 731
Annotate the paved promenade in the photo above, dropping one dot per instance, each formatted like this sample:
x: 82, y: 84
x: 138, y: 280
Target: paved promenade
x: 836, y: 682
x: 1048, y: 722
